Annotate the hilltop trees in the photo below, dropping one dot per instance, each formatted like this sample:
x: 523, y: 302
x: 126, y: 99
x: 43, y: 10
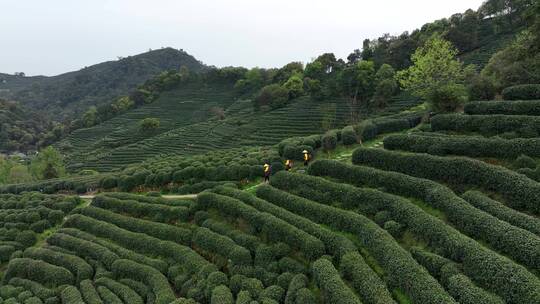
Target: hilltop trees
x: 436, y: 75
x: 273, y: 96
x: 149, y: 124
x: 519, y: 63
x: 356, y: 81
x: 387, y: 85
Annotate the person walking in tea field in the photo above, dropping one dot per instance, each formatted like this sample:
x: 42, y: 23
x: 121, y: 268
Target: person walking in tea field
x: 306, y: 157
x: 288, y: 165
x: 267, y: 172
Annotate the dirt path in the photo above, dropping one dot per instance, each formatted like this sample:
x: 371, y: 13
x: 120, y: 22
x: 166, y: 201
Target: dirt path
x: 89, y: 197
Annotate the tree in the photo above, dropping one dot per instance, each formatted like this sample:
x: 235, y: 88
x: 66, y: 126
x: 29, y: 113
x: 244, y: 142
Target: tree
x: 122, y: 104
x: 90, y: 117
x: 19, y: 174
x: 219, y: 112
x: 287, y: 71
x: 435, y: 71
x: 184, y: 73
x: 295, y: 86
x: 386, y: 85
x: 519, y: 63
x: 328, y: 115
x: 48, y: 164
x: 273, y: 96
x: 50, y: 172
x: 356, y: 83
x: 252, y: 81
x: 149, y: 124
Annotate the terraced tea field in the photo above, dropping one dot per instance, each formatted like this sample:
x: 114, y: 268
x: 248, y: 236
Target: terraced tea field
x: 392, y: 227
x: 188, y: 128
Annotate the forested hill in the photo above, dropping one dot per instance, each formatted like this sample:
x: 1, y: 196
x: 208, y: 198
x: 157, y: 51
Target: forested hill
x: 477, y: 34
x: 62, y: 96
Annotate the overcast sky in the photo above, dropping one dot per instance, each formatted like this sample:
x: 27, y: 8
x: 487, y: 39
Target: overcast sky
x: 49, y: 37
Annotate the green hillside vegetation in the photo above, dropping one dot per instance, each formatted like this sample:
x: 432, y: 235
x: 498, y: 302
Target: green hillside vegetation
x: 426, y: 193
x: 67, y: 94
x: 22, y: 129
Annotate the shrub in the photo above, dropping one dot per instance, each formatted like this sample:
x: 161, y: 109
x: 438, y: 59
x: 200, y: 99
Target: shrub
x: 295, y: 152
x: 36, y: 288
x: 27, y: 238
x: 273, y: 292
x: 253, y: 286
x: 108, y: 296
x: 463, y: 145
x: 23, y: 296
x: 39, y: 271
x: 222, y: 245
x: 481, y: 88
x: 503, y: 107
x: 333, y: 288
x: 5, y: 253
x: 74, y: 264
x: 524, y: 161
x: 399, y: 265
x: 366, y: 130
x: 475, y: 258
x: 522, y: 92
x: 222, y: 295
x: 139, y: 209
x: 157, y: 282
x: 335, y: 243
x: 120, y: 251
x: 84, y: 248
x: 33, y: 300
x: 248, y: 241
x: 140, y: 242
x: 501, y: 211
x: 348, y: 136
x: 298, y: 282
x: 71, y: 295
x: 40, y: 226
x: 459, y: 286
x: 329, y: 140
x: 126, y: 294
x: 274, y: 227
x: 363, y: 279
x: 89, y: 292
x: 523, y: 193
x: 109, y: 182
x: 305, y: 296
x: 158, y: 230
x: 486, y: 124
x: 243, y: 297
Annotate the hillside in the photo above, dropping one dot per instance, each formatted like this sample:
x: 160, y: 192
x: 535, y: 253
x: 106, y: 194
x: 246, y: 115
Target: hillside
x: 67, y: 95
x: 22, y: 129
x: 188, y: 126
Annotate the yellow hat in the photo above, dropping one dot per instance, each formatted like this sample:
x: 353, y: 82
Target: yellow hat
x: 305, y: 151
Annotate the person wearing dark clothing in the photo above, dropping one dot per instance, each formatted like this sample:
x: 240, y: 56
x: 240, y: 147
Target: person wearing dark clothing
x: 306, y: 157
x: 288, y: 165
x: 267, y: 172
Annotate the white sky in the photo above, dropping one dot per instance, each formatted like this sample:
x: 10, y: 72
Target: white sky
x: 49, y: 37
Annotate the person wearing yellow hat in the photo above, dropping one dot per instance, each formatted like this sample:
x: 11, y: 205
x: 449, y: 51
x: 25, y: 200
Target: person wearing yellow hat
x: 288, y: 165
x: 267, y: 172
x: 306, y: 157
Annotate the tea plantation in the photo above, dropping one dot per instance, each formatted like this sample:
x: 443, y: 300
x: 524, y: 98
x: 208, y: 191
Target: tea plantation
x: 188, y: 127
x: 447, y: 212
